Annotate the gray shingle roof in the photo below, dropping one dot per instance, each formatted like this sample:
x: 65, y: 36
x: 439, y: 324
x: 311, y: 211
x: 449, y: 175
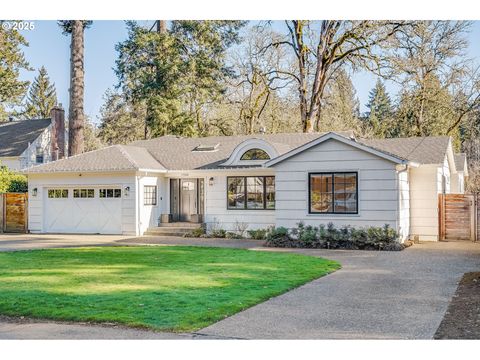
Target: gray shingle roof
x: 112, y: 158
x: 175, y: 153
x: 423, y: 150
x: 460, y: 161
x: 15, y: 136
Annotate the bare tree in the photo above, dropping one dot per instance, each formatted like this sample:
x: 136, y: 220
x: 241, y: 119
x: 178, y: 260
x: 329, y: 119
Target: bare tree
x: 322, y: 47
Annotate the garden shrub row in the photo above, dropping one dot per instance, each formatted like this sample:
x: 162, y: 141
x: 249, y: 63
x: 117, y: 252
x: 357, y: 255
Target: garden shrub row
x: 315, y: 237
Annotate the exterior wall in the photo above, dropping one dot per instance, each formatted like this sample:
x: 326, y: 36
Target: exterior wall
x: 404, y: 204
x: 425, y: 185
x: 457, y: 185
x: 378, y: 185
x: 149, y: 214
x: 43, y: 181
x: 13, y: 163
x: 28, y: 157
x: 216, y: 204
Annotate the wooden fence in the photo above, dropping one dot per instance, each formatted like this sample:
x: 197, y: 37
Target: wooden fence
x: 13, y: 212
x: 457, y: 216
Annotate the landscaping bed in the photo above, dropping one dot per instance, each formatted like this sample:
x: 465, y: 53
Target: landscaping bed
x: 462, y: 319
x: 168, y: 288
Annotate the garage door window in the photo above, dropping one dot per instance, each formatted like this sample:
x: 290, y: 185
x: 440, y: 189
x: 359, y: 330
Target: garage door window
x: 83, y: 193
x: 110, y: 193
x: 58, y: 193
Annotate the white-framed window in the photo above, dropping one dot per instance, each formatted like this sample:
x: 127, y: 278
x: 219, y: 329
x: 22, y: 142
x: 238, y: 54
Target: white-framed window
x: 149, y: 195
x: 83, y: 193
x: 57, y: 193
x: 110, y: 193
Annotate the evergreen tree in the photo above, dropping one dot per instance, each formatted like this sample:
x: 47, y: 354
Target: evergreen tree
x: 176, y: 72
x: 380, y: 111
x: 41, y: 97
x: 12, y: 60
x: 120, y: 121
x: 341, y: 107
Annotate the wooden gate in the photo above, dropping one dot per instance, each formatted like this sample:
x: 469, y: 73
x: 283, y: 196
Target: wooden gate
x: 457, y: 217
x: 14, y: 212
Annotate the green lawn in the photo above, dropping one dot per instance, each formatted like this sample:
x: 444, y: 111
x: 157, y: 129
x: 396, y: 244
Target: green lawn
x: 165, y: 288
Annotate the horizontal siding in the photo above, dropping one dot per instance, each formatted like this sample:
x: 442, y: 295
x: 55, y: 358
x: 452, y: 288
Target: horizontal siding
x: 377, y: 183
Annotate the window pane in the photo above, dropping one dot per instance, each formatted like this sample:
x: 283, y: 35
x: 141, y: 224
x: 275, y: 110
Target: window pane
x: 58, y: 193
x: 346, y: 193
x: 270, y: 192
x: 64, y: 194
x: 83, y: 193
x: 255, y: 154
x: 109, y: 193
x: 321, y: 193
x: 236, y: 192
x: 51, y: 193
x: 254, y: 192
x: 76, y: 193
x: 103, y: 193
x: 117, y: 193
x: 91, y: 193
x: 149, y: 195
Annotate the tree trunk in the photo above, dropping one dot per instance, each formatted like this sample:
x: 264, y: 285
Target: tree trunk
x: 76, y: 117
x: 162, y: 26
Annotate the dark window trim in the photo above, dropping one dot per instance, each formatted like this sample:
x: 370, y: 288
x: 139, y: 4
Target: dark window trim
x: 256, y: 150
x: 245, y: 192
x: 155, y: 193
x: 333, y: 192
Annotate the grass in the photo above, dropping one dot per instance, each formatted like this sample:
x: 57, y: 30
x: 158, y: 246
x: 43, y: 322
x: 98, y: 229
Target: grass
x: 172, y: 288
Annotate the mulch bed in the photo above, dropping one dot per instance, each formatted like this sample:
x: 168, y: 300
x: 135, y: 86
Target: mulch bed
x: 462, y: 319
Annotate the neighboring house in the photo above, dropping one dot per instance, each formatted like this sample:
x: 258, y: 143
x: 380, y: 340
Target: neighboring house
x: 260, y: 180
x: 26, y: 143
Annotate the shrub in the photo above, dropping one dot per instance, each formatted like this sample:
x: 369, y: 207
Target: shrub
x: 218, y: 233
x: 233, y: 235
x: 12, y: 182
x: 200, y: 232
x: 240, y: 228
x: 259, y: 234
x: 330, y: 237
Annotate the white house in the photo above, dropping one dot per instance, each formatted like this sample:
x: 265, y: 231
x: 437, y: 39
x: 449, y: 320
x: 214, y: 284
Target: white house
x: 259, y: 180
x: 26, y: 143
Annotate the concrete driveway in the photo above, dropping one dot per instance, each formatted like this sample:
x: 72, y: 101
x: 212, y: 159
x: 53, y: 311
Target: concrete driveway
x: 376, y: 295
x: 12, y: 242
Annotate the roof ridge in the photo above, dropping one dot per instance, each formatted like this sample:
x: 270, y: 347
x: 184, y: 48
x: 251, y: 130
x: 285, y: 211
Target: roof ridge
x: 416, y: 147
x: 127, y: 155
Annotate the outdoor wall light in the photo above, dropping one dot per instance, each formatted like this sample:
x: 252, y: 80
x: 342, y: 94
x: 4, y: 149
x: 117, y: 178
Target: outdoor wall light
x: 127, y: 190
x: 210, y: 181
x: 34, y: 192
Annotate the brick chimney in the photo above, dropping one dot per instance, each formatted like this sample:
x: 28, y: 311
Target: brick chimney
x: 58, y: 132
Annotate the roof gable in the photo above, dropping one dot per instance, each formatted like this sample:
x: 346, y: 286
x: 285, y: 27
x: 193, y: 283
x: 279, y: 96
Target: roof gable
x: 334, y: 136
x: 16, y: 136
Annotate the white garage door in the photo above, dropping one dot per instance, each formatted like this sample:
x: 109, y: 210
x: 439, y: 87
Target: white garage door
x: 83, y: 210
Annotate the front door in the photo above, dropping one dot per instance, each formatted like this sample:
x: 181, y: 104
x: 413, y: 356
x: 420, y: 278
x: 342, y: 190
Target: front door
x: 188, y: 198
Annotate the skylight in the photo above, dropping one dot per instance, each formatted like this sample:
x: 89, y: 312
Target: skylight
x: 203, y: 147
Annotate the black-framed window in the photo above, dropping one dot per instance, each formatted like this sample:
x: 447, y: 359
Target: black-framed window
x: 255, y: 154
x: 83, y: 193
x: 251, y: 192
x: 149, y: 195
x: 58, y: 193
x: 110, y: 193
x: 333, y: 193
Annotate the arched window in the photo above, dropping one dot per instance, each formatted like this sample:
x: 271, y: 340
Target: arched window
x: 255, y: 154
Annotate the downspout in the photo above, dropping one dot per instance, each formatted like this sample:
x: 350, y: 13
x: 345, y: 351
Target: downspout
x: 137, y: 199
x: 405, y: 169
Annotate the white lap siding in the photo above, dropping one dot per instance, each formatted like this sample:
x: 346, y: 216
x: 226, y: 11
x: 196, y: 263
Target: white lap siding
x: 216, y: 204
x: 378, y: 184
x: 42, y: 182
x: 149, y: 214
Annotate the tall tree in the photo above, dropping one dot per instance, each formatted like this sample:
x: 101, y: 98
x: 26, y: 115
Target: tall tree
x: 42, y: 96
x: 428, y: 55
x: 121, y: 122
x: 76, y: 116
x: 177, y: 72
x: 12, y: 60
x: 380, y: 111
x: 322, y: 47
x: 341, y: 106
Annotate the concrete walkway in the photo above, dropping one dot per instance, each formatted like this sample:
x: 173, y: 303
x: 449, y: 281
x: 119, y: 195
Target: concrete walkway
x: 376, y: 295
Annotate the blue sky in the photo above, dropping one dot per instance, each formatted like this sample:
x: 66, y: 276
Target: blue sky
x: 49, y: 47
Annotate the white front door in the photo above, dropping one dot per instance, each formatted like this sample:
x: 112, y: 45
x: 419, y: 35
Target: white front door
x: 85, y: 209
